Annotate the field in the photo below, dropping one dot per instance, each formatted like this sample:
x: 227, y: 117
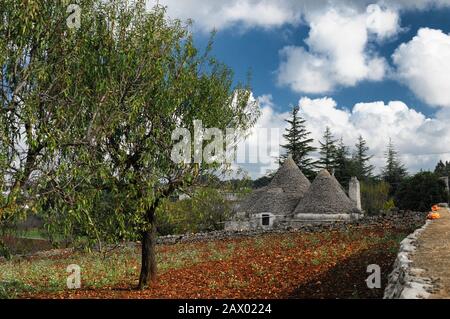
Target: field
x: 329, y: 264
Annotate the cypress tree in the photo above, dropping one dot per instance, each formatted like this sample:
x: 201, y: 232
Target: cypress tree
x: 443, y: 169
x: 394, y: 172
x: 327, y: 151
x: 362, y: 169
x: 298, y: 144
x: 343, y: 164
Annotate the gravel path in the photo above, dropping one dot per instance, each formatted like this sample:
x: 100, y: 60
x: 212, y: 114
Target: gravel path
x: 433, y: 254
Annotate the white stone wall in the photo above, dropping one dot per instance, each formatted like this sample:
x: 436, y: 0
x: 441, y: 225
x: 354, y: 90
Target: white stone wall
x: 406, y: 282
x: 255, y: 220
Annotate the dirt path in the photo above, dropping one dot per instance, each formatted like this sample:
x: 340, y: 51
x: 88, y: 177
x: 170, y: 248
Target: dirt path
x: 433, y: 254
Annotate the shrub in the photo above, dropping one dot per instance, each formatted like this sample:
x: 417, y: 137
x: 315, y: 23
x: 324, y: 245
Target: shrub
x: 206, y: 210
x: 420, y: 192
x: 390, y: 204
x: 374, y: 196
x: 4, y: 250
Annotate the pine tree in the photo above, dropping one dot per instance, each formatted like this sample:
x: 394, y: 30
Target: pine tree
x: 298, y: 144
x: 440, y: 168
x: 394, y: 172
x: 443, y: 169
x: 363, y: 170
x: 327, y: 151
x: 343, y: 164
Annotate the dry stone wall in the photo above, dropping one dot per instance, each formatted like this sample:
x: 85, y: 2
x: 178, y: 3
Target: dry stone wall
x: 406, y: 282
x: 407, y: 219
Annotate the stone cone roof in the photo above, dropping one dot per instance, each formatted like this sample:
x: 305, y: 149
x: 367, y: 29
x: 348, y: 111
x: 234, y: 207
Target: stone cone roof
x: 325, y: 196
x: 282, y: 195
x: 290, y: 178
x: 275, y: 201
x: 250, y: 200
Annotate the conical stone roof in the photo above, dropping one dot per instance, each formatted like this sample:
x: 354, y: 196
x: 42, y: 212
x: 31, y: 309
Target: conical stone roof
x: 275, y: 201
x: 291, y: 179
x: 249, y: 201
x: 282, y: 195
x: 325, y: 196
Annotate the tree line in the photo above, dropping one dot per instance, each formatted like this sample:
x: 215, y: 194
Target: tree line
x: 393, y: 187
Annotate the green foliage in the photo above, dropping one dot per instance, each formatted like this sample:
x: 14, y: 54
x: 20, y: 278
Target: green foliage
x: 374, y: 195
x: 37, y: 113
x: 390, y: 204
x: 4, y: 251
x: 394, y: 171
x: 206, y: 210
x: 298, y: 144
x: 344, y: 165
x: 263, y: 181
x: 123, y: 82
x: 95, y: 222
x: 443, y: 169
x: 94, y: 108
x: 362, y: 169
x: 420, y: 192
x: 12, y: 289
x: 328, y: 149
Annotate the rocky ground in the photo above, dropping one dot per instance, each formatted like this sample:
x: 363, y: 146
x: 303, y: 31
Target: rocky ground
x: 433, y: 255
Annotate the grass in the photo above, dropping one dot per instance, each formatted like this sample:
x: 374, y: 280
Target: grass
x: 49, y: 275
x: 20, y: 276
x: 258, y: 270
x: 221, y: 254
x: 34, y: 233
x: 259, y: 243
x: 13, y: 289
x: 288, y: 243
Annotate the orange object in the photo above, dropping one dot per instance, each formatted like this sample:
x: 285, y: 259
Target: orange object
x: 433, y: 216
x: 435, y: 208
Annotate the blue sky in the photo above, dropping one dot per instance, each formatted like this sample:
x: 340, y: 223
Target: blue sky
x: 376, y: 68
x: 257, y: 50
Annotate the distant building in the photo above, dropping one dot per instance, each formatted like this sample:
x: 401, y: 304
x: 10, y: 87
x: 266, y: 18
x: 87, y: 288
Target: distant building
x: 291, y: 199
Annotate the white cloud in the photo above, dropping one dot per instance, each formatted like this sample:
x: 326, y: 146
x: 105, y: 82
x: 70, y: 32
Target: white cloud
x: 384, y: 23
x: 263, y: 14
x: 258, y: 153
x: 423, y: 64
x: 303, y: 71
x: 421, y: 141
x: 338, y: 54
x: 416, y: 4
x: 221, y: 14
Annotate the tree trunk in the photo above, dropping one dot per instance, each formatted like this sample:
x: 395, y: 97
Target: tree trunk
x: 148, y: 266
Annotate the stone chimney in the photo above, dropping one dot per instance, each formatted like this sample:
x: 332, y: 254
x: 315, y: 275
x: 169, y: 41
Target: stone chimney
x: 354, y: 192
